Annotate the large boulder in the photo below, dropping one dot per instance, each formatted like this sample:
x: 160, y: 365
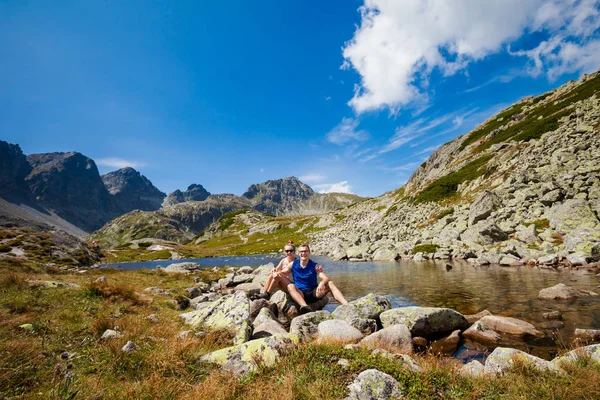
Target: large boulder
x: 244, y: 358
x: 288, y: 309
x: 483, y: 206
x: 337, y: 330
x: 366, y: 307
x: 395, y: 338
x: 503, y: 359
x: 571, y: 215
x: 374, y: 385
x: 563, y: 292
x: 306, y: 326
x: 231, y: 312
x: 425, y: 321
x: 511, y: 326
x: 483, y: 233
x: 182, y: 268
x: 592, y: 351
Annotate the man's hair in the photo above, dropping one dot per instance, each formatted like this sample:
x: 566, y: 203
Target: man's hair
x: 305, y: 245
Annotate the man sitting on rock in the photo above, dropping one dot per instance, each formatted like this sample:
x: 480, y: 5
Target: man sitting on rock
x: 305, y: 273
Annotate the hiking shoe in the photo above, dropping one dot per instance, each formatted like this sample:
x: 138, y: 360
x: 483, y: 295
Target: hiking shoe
x: 305, y: 310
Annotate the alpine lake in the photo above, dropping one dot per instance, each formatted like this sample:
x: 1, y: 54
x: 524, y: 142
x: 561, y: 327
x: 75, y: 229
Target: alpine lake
x: 468, y: 289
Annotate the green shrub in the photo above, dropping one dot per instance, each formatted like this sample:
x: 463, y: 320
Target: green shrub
x: 539, y: 224
x: 492, y: 125
x: 425, y: 248
x: 446, y: 186
x: 144, y: 245
x: 391, y: 210
x: 227, y: 219
x: 4, y: 248
x: 444, y: 213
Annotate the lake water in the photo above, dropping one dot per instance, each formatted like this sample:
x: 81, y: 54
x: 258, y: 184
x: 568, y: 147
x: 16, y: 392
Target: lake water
x: 468, y: 289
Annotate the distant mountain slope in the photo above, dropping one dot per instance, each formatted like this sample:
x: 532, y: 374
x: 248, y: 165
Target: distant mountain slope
x: 131, y: 190
x: 70, y: 185
x: 194, y: 192
x: 524, y: 184
x: 320, y: 203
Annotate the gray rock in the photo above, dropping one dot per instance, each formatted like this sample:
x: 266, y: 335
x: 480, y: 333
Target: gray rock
x: 267, y: 328
x: 130, y: 347
x: 394, y: 338
x: 374, y: 385
x: 264, y: 315
x: 245, y: 358
x: 548, y: 260
x: 246, y: 270
x: 243, y: 278
x: 476, y: 317
x: 483, y: 233
x: 552, y: 315
x: 193, y: 292
x: 502, y: 359
x: 527, y: 234
x: 473, y: 369
x: 563, y: 292
x: 338, y: 330
x: 368, y: 307
x: 306, y: 326
x: 572, y: 214
x: 229, y: 312
x: 552, y: 197
x: 251, y: 288
x: 592, y: 351
x: 576, y: 259
x: 365, y: 325
x: 483, y: 206
x: 182, y: 268
x: 110, y: 333
x: 258, y: 305
x: 424, y: 321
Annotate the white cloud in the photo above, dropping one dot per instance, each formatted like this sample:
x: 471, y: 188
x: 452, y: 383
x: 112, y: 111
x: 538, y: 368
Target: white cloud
x: 408, y: 133
x: 327, y: 98
x: 262, y: 170
x: 427, y: 150
x: 113, y: 162
x: 396, y: 46
x: 312, y: 178
x: 339, y: 187
x: 346, y: 131
x: 402, y: 168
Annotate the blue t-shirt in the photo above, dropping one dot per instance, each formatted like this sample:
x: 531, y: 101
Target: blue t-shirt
x: 305, y: 278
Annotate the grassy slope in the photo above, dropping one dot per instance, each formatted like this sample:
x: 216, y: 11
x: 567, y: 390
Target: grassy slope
x: 167, y: 367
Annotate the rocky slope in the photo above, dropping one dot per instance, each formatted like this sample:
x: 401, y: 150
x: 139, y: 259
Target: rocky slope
x: 194, y: 192
x: 277, y: 196
x: 524, y: 185
x: 131, y: 190
x: 13, y: 170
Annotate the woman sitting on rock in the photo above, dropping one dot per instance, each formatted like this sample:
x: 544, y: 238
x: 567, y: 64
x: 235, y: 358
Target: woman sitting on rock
x: 281, y: 278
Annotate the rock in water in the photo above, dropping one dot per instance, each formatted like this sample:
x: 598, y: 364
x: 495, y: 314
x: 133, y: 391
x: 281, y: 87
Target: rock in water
x: 447, y: 345
x: 230, y: 312
x: 243, y: 358
x: 424, y: 321
x: 374, y: 385
x: 563, y: 292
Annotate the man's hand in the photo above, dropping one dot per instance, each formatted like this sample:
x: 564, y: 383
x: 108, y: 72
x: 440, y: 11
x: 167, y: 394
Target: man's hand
x: 322, y: 290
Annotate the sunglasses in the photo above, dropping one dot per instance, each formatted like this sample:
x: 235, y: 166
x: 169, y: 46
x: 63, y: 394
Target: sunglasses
x: 289, y: 250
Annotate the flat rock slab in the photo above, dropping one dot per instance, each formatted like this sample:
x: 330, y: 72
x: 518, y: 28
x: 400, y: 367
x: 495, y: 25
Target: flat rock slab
x: 230, y: 312
x: 425, y: 321
x: 182, y: 268
x: 373, y: 384
x: 511, y: 326
x: 338, y: 330
x: 366, y: 307
x: 592, y: 351
x: 243, y: 359
x: 306, y: 326
x: 503, y: 358
x: 564, y: 292
x: 395, y: 338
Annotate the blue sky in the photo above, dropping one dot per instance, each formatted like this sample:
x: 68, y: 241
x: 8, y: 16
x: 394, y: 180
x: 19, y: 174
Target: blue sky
x: 346, y: 95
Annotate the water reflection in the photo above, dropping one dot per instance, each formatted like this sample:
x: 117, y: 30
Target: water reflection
x: 468, y: 289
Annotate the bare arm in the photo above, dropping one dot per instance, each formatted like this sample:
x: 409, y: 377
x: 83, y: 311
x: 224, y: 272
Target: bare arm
x: 322, y: 276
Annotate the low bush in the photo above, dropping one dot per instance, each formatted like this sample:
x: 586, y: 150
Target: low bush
x: 425, y: 248
x: 539, y: 224
x: 447, y: 186
x: 444, y: 213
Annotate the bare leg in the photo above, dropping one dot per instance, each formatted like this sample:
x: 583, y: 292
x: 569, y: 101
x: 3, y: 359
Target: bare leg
x: 296, y: 294
x: 336, y: 293
x: 269, y: 284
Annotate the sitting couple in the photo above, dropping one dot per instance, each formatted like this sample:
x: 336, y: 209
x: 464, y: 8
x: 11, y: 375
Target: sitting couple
x: 298, y: 277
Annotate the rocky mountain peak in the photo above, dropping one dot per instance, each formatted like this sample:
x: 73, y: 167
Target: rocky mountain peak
x: 13, y: 170
x: 194, y: 192
x: 132, y: 190
x: 278, y: 195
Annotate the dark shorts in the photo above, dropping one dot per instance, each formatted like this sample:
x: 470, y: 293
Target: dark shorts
x: 310, y: 296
